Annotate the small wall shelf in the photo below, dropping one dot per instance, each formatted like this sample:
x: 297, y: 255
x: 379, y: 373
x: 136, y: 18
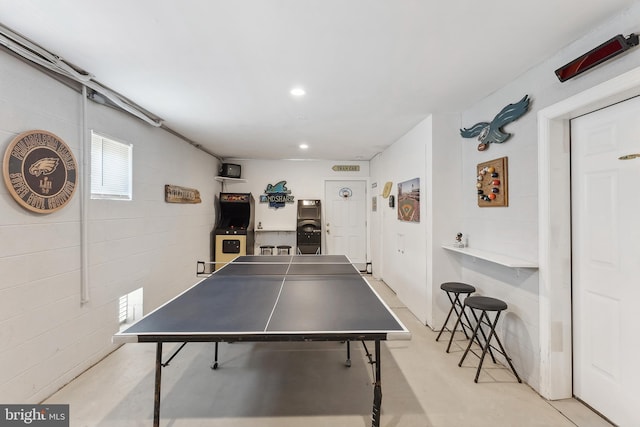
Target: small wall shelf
x: 505, y: 260
x: 225, y: 179
x: 276, y: 229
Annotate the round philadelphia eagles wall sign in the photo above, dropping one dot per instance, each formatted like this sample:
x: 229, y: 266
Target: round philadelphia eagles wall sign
x: 40, y: 171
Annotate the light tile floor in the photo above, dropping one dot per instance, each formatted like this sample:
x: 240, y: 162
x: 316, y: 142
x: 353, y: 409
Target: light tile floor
x: 307, y: 384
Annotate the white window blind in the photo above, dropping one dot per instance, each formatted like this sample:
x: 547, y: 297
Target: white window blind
x: 110, y: 168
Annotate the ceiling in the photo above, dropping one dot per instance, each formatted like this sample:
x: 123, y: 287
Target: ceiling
x: 219, y: 72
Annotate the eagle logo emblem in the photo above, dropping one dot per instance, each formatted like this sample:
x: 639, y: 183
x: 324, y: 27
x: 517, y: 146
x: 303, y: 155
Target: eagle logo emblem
x: 45, y: 166
x: 489, y: 133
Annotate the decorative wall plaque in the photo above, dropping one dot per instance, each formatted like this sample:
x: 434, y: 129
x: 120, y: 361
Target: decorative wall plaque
x: 488, y: 133
x: 346, y: 168
x: 277, y: 195
x: 176, y: 194
x: 492, y: 183
x: 40, y: 171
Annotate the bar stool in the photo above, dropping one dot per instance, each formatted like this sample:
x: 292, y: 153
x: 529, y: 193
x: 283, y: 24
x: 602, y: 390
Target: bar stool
x: 485, y: 305
x: 266, y: 250
x: 454, y: 290
x: 284, y: 249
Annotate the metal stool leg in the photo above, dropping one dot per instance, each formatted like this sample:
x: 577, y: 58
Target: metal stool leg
x: 486, y: 347
x: 482, y: 333
x: 444, y: 325
x: 457, y: 293
x: 486, y: 305
x: 459, y: 321
x: 473, y: 338
x: 504, y: 353
x: 488, y: 342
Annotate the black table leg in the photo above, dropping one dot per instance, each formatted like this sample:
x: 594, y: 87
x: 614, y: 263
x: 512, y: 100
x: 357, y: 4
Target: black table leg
x: 377, y: 388
x: 156, y: 397
x: 215, y: 358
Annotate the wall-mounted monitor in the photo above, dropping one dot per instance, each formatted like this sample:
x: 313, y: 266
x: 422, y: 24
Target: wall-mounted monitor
x: 230, y: 170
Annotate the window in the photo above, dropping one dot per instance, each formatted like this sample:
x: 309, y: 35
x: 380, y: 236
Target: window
x: 110, y: 168
x: 130, y: 308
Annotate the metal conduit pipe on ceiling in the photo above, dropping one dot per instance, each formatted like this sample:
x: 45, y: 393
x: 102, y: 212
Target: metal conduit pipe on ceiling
x: 38, y: 55
x: 71, y: 75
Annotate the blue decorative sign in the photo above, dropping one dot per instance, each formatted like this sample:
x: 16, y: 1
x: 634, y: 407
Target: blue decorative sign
x: 277, y: 195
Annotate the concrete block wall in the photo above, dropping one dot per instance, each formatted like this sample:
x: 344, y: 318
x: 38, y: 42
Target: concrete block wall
x: 47, y: 336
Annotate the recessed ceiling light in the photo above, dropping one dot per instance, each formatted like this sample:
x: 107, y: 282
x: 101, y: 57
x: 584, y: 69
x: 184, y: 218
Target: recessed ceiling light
x: 297, y: 91
x: 303, y: 146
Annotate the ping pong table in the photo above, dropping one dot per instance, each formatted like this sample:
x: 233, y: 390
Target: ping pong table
x: 273, y: 298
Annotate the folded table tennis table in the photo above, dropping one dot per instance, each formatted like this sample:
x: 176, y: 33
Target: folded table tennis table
x: 273, y: 298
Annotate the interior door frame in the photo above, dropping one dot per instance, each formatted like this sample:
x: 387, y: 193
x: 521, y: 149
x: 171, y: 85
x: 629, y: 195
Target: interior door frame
x: 367, y: 231
x: 554, y: 227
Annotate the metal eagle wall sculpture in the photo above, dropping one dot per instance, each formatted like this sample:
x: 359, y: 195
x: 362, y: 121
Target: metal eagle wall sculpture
x: 488, y: 133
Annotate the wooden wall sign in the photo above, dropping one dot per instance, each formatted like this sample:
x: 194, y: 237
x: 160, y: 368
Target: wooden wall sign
x: 492, y: 183
x: 346, y: 168
x: 176, y: 194
x: 40, y: 171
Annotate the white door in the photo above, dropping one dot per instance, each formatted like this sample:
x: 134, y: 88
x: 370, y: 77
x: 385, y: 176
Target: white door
x: 606, y: 260
x: 346, y: 220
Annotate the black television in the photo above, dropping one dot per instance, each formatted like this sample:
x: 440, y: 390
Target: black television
x: 230, y: 170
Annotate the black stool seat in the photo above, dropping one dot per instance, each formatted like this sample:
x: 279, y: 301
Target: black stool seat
x: 484, y: 305
x: 457, y: 287
x: 454, y: 290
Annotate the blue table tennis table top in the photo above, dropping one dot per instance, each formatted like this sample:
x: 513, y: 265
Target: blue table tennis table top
x: 273, y: 298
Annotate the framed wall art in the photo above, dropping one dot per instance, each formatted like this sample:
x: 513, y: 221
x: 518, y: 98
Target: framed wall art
x: 409, y: 200
x: 493, y: 183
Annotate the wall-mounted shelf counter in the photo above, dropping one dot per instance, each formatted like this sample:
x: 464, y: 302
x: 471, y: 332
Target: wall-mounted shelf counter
x: 225, y: 179
x: 276, y: 229
x: 501, y: 259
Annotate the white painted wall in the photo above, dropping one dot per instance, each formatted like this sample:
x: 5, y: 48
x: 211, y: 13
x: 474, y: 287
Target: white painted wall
x: 46, y: 336
x: 305, y: 179
x: 512, y: 230
x: 515, y: 230
x: 401, y: 260
x: 444, y: 187
x: 408, y: 256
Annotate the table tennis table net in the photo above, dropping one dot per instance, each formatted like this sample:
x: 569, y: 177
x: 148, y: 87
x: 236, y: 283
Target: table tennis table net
x: 273, y: 267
